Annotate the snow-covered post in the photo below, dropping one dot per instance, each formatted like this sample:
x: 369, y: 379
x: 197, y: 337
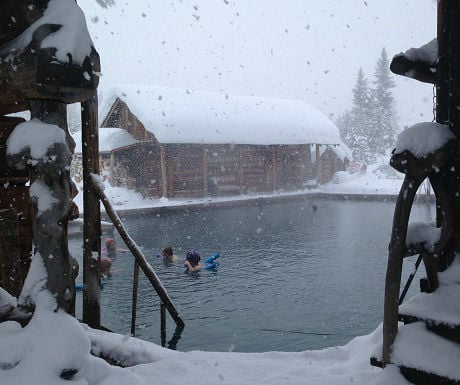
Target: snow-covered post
x: 47, y: 147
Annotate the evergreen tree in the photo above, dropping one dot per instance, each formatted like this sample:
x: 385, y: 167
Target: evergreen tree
x: 354, y: 124
x: 370, y: 127
x: 383, y: 128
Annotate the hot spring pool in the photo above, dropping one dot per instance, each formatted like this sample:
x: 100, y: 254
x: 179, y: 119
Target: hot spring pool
x: 289, y: 278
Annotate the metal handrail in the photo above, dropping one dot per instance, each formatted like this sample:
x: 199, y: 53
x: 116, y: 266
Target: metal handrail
x: 140, y: 262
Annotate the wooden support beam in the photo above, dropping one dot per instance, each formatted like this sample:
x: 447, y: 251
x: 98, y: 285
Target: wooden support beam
x: 241, y: 176
x: 134, y: 303
x: 50, y: 227
x: 10, y: 252
x: 164, y: 175
x: 448, y: 66
x: 92, y: 216
x: 205, y: 170
x: 319, y: 165
x: 274, y: 166
x: 418, y: 70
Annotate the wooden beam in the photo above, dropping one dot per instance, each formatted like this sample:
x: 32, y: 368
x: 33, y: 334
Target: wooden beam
x: 241, y: 176
x: 205, y: 170
x: 448, y: 66
x: 10, y: 252
x: 418, y: 70
x: 274, y: 172
x: 91, y: 216
x: 319, y: 165
x: 164, y: 176
x: 50, y: 227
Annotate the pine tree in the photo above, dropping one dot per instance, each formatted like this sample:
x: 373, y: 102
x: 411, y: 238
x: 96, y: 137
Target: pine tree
x: 383, y: 128
x: 370, y: 127
x: 354, y: 124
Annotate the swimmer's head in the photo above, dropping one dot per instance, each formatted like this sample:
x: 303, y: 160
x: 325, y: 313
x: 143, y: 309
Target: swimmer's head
x: 110, y: 244
x: 167, y: 252
x: 193, y: 257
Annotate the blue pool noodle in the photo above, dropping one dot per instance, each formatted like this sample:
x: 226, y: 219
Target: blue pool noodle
x: 212, y: 265
x: 212, y: 258
x: 79, y: 286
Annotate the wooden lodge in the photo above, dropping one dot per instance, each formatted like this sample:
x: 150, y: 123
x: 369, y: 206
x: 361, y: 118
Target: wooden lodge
x: 192, y: 143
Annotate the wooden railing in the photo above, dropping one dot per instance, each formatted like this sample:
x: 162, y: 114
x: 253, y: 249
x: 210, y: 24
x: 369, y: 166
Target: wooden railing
x: 416, y: 170
x: 140, y: 262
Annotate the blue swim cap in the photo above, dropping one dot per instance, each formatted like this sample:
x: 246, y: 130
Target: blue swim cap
x: 193, y: 257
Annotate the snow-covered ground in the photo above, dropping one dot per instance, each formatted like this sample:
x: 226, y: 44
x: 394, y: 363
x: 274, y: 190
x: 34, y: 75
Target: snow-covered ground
x: 54, y: 341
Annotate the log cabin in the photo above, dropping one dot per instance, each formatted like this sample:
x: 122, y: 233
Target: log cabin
x: 187, y: 143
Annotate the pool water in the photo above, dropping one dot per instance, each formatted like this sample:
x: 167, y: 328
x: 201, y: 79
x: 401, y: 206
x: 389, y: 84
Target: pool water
x: 290, y: 278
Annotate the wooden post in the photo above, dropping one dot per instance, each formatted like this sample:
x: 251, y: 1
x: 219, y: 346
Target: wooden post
x: 319, y: 165
x: 163, y: 324
x: 241, y: 159
x: 92, y: 215
x: 112, y: 168
x: 205, y: 171
x: 134, y: 304
x: 274, y: 173
x: 9, y: 252
x: 448, y: 65
x: 164, y: 177
x: 50, y: 227
x: 448, y: 103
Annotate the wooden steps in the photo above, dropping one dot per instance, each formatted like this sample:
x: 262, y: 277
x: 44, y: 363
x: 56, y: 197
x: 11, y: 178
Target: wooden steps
x: 423, y: 357
x: 427, y: 346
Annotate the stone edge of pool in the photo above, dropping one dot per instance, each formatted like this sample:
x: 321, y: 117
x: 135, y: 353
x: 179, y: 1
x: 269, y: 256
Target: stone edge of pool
x: 251, y: 201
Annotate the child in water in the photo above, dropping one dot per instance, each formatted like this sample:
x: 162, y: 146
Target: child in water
x: 108, y: 255
x: 192, y: 261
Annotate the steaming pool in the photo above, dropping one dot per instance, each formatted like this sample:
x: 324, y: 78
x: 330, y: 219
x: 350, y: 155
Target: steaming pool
x: 290, y: 278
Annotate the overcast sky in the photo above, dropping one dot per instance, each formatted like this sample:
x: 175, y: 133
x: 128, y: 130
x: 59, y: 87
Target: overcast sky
x: 295, y: 49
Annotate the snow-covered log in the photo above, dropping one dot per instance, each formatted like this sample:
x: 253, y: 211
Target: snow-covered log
x: 46, y: 54
x: 417, y: 63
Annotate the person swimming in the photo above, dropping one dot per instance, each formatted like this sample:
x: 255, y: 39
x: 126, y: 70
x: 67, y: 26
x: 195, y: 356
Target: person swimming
x: 109, y: 253
x: 106, y: 264
x: 111, y: 248
x: 192, y: 261
x: 168, y: 254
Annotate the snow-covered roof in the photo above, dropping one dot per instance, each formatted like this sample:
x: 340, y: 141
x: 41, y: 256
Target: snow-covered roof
x: 110, y: 138
x: 176, y: 115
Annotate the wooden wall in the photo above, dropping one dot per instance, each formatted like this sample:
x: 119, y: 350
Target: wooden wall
x: 192, y: 170
x: 185, y: 170
x: 330, y: 164
x: 195, y: 170
x: 137, y: 167
x: 120, y: 116
x: 16, y: 217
